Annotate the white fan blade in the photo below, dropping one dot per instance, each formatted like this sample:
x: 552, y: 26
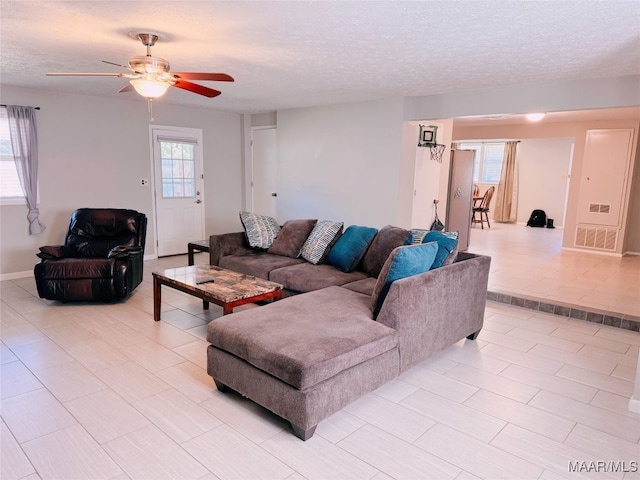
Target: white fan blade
x: 120, y: 75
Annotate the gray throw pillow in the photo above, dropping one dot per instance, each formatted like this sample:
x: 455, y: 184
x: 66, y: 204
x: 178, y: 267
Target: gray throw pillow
x: 291, y: 237
x: 383, y: 243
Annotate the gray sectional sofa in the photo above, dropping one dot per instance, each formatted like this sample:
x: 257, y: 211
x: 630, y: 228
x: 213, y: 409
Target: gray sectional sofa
x: 340, y: 334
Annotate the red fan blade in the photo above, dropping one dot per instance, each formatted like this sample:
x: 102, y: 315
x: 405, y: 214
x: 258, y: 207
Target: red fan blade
x: 214, y: 77
x: 127, y: 88
x: 195, y: 88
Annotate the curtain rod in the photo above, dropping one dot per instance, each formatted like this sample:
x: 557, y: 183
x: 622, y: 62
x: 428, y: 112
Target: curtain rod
x: 3, y: 105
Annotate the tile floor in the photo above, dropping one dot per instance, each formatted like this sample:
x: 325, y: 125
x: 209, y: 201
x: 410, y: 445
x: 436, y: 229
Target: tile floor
x: 530, y: 262
x: 103, y: 391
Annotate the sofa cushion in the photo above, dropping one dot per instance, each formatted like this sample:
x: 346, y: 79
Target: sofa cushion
x: 291, y: 237
x: 323, y: 235
x: 258, y: 264
x: 351, y: 247
x: 305, y: 339
x: 261, y: 230
x: 383, y: 243
x: 447, y: 247
x: 366, y: 285
x: 305, y: 277
x: 403, y: 262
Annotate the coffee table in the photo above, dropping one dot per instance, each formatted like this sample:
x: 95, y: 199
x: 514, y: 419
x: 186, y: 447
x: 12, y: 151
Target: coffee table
x: 213, y: 284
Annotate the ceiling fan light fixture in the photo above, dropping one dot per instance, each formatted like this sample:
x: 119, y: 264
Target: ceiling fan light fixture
x: 149, y: 88
x: 535, y: 117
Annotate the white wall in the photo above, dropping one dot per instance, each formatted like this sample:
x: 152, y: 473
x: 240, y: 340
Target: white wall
x: 341, y: 162
x: 93, y: 152
x: 543, y: 177
x: 539, y: 97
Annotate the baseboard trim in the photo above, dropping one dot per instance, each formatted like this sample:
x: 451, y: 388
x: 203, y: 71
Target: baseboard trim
x: 16, y: 275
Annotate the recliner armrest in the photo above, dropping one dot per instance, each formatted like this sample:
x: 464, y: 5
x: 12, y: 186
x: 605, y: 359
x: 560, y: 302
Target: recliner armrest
x: 124, y: 251
x: 49, y: 252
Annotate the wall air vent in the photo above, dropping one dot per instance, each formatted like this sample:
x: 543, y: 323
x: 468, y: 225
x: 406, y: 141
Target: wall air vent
x: 599, y: 208
x: 601, y: 238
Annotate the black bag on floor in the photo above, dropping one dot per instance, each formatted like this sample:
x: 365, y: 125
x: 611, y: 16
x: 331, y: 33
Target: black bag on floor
x: 437, y: 225
x: 537, y: 219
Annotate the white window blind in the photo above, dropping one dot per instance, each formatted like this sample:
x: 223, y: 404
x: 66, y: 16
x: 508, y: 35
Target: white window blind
x: 10, y: 188
x: 488, y: 160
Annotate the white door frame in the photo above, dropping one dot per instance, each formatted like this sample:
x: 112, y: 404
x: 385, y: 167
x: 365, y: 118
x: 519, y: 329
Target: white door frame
x: 184, y: 132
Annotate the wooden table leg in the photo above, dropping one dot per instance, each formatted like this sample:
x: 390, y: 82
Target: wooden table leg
x: 227, y: 309
x: 190, y: 249
x: 205, y: 305
x: 156, y: 298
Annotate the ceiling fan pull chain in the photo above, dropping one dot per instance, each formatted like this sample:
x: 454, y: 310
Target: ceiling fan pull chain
x: 150, y: 102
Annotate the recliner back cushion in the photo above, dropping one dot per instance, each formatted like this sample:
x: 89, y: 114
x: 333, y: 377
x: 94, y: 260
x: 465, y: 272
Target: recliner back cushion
x: 93, y: 232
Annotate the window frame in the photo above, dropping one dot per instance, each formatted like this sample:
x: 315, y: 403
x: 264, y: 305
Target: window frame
x: 6, y: 159
x: 479, y: 159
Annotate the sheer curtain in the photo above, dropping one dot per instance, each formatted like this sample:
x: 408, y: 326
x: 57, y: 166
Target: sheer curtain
x: 506, y: 195
x: 24, y: 142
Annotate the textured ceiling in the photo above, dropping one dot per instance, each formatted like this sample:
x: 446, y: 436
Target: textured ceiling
x: 303, y: 53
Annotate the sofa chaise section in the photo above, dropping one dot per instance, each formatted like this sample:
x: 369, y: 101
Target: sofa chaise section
x: 305, y: 357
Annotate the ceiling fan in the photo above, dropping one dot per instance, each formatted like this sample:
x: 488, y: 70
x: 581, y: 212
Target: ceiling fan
x: 150, y: 76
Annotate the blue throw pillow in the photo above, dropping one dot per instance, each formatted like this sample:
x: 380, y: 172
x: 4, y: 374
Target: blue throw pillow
x: 351, y: 247
x: 446, y: 245
x: 404, y: 261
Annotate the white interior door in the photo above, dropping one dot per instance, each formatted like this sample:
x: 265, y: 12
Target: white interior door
x: 178, y: 182
x: 264, y: 159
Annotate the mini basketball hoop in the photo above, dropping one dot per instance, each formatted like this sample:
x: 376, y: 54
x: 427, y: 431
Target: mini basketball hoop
x: 436, y: 151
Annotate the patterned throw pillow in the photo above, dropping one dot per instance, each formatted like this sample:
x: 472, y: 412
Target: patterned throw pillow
x: 316, y: 248
x: 261, y: 230
x: 417, y: 234
x: 404, y: 261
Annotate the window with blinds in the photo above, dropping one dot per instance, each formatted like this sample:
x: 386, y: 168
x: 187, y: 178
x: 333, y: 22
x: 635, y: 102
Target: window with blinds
x: 487, y: 165
x: 10, y: 188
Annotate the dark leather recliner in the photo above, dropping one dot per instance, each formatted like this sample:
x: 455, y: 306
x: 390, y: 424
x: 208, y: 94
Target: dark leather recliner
x: 102, y: 258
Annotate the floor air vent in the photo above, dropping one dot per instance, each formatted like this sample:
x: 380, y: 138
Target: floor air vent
x: 601, y: 238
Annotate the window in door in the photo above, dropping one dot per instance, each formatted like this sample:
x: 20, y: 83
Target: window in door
x: 178, y: 169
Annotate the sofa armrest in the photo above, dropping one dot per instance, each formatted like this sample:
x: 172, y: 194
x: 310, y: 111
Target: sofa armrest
x: 434, y: 310
x: 225, y: 244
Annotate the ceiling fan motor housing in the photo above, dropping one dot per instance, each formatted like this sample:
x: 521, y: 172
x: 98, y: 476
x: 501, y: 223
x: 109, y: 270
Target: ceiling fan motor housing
x: 145, y: 64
